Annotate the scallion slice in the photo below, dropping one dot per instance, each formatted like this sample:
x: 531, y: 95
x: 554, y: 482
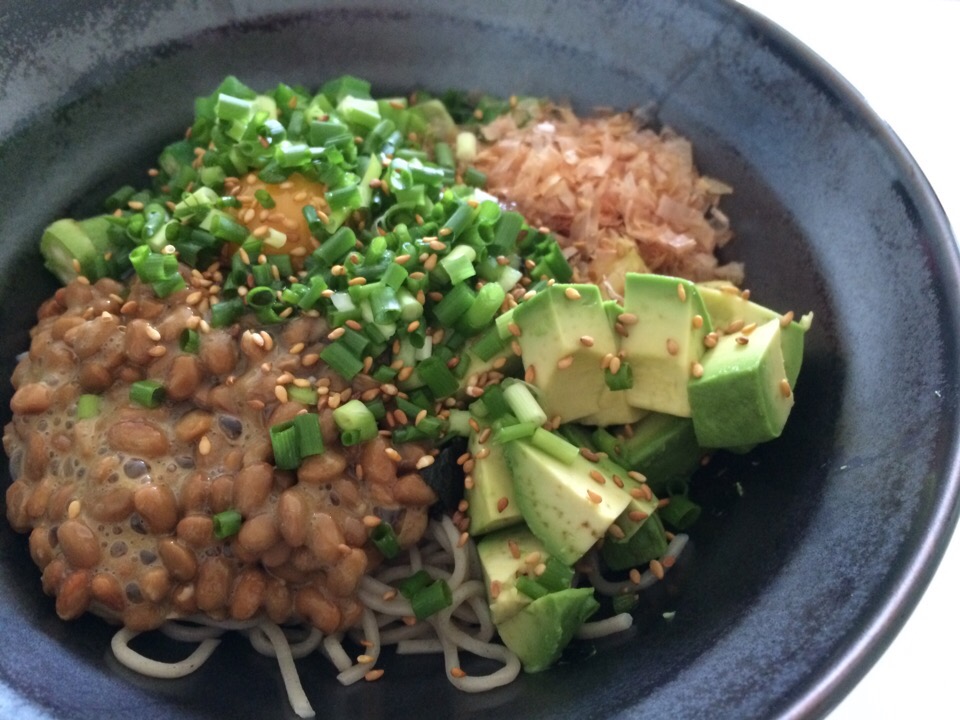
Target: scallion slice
x: 226, y: 524
x: 190, y: 341
x: 554, y: 445
x: 286, y: 448
x: 530, y: 587
x: 386, y: 540
x: 148, y: 393
x: 88, y: 406
x: 413, y: 584
x: 357, y: 424
x: 432, y: 599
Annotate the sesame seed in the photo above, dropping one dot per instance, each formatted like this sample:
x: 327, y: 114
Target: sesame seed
x: 157, y: 351
x: 697, y: 322
x: 135, y: 205
x: 514, y: 549
x: 531, y: 374
x: 617, y: 532
x: 696, y: 369
x: 485, y: 435
x: 482, y: 453
x: 152, y: 333
x: 375, y: 674
x: 424, y: 462
x: 73, y: 509
x: 389, y: 389
x: 589, y: 454
x: 617, y: 481
x: 605, y: 360
x: 468, y: 482
x: 204, y: 446
x: 514, y: 329
x: 371, y: 521
x: 281, y: 392
x: 310, y: 359
x: 515, y: 348
x: 747, y: 329
x: 673, y: 347
x: 597, y: 477
x: 710, y: 340
x: 565, y: 362
x: 637, y: 515
x: 464, y: 536
x: 785, y: 388
x: 614, y: 365
x: 572, y: 293
x: 742, y: 339
x: 365, y: 659
x: 634, y: 576
x: 594, y: 497
x: 657, y: 569
x: 457, y: 673
x: 628, y: 318
x: 194, y: 297
x: 389, y: 595
x: 539, y: 569
x: 495, y: 588
x: 786, y: 319
x: 354, y: 325
x: 735, y: 326
x: 586, y: 341
x: 401, y: 259
x: 297, y: 348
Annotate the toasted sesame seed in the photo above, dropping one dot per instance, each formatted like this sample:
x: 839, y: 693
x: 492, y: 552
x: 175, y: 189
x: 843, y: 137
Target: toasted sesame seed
x: 515, y: 348
x: 586, y: 341
x: 204, y: 446
x: 628, y: 318
x: 785, y: 388
x: 571, y: 293
x: 354, y: 325
x: 734, y: 327
x: 589, y: 454
x: 457, y: 672
x: 310, y: 359
x: 281, y: 392
x: 617, y: 532
x: 539, y: 569
x: 673, y: 347
x: 468, y: 482
x: 365, y: 659
x: 598, y: 477
x: 741, y: 339
x: 681, y: 292
x: 514, y: 329
x: 657, y: 569
x: 635, y: 576
x: 697, y: 322
x: 696, y: 369
x: 393, y: 454
x: 747, y: 329
x: 389, y: 595
x: 73, y: 509
x: 606, y: 359
x: 485, y: 435
x: 482, y: 453
x: 514, y: 549
x: 153, y: 333
x: 531, y: 374
x: 710, y: 340
x: 495, y: 588
x: 135, y: 205
x: 614, y: 365
x: 425, y: 461
x: 786, y: 319
x: 371, y: 521
x: 157, y: 351
x: 375, y: 674
x: 594, y: 497
x: 565, y: 362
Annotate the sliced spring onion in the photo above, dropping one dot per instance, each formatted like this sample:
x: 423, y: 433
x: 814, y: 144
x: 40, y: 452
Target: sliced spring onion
x: 413, y: 584
x: 88, y: 406
x: 622, y: 380
x: 438, y: 377
x: 226, y: 524
x: 190, y: 341
x: 303, y: 395
x: 530, y: 587
x: 431, y: 599
x: 556, y: 576
x: 509, y: 433
x: 555, y: 446
x: 523, y: 404
x: 309, y: 437
x: 340, y: 358
x: 385, y: 540
x: 148, y: 393
x: 681, y: 512
x: 286, y: 448
x: 357, y: 424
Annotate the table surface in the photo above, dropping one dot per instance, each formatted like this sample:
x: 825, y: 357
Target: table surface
x: 903, y: 57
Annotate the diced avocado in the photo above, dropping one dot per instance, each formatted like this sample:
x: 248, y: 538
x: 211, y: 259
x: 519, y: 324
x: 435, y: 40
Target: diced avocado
x: 728, y: 308
x: 503, y: 557
x: 643, y: 502
x: 562, y: 504
x: 648, y: 543
x: 565, y: 368
x: 504, y: 362
x: 671, y: 322
x: 615, y: 409
x: 491, y: 501
x: 542, y: 629
x: 743, y: 396
x: 661, y: 447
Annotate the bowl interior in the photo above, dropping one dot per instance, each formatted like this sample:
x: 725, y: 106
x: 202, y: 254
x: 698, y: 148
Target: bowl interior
x: 792, y: 588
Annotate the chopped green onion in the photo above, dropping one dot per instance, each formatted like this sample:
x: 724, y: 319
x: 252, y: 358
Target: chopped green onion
x: 523, y: 404
x: 286, y: 448
x: 621, y: 380
x: 303, y: 395
x: 88, y: 406
x: 226, y: 312
x: 681, y: 512
x: 341, y: 360
x: 435, y: 373
x: 356, y: 422
x: 555, y: 446
x: 530, y: 587
x: 458, y: 263
x: 625, y: 603
x: 410, y: 586
x: 494, y: 401
x: 386, y: 540
x: 474, y: 178
x: 454, y: 304
x: 309, y: 437
x: 226, y: 524
x: 265, y: 199
x: 509, y: 433
x: 336, y: 246
x: 556, y: 575
x: 148, y: 393
x: 190, y: 341
x: 431, y: 599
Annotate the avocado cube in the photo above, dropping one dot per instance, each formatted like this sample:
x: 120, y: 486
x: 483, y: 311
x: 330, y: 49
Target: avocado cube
x: 743, y: 396
x: 491, y: 503
x: 541, y: 630
x: 564, y: 366
x: 728, y: 308
x: 664, y: 338
x: 562, y: 504
x: 661, y: 447
x: 503, y: 558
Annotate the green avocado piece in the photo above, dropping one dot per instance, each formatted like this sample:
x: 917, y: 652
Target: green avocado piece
x: 728, y: 307
x: 562, y: 504
x: 661, y: 447
x: 492, y: 484
x: 743, y: 396
x: 552, y: 324
x: 648, y: 543
x: 665, y: 339
x: 503, y: 558
x: 542, y: 629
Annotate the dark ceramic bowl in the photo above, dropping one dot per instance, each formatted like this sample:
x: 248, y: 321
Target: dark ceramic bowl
x: 794, y: 589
